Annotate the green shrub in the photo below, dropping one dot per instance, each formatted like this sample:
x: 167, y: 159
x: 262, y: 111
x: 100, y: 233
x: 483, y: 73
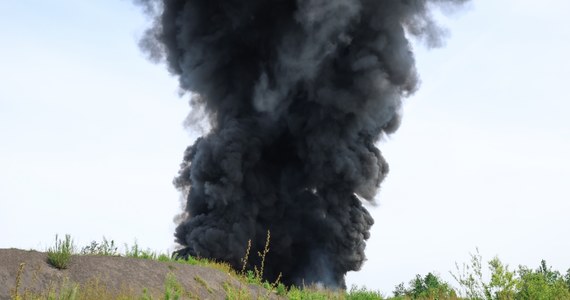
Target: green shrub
x: 136, y: 252
x: 503, y: 282
x: 251, y: 278
x: 281, y: 289
x: 362, y: 293
x: 523, y: 284
x: 542, y: 283
x: 426, y: 287
x: 164, y: 258
x: 307, y: 294
x: 59, y: 256
x: 133, y: 251
x: 172, y: 288
x: 105, y: 248
x: 236, y: 293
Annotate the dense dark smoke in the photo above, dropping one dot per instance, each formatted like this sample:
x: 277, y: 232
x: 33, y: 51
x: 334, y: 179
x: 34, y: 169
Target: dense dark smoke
x: 297, y: 92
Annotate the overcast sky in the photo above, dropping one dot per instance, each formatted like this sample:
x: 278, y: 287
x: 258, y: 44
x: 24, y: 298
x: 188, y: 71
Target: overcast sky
x: 91, y: 136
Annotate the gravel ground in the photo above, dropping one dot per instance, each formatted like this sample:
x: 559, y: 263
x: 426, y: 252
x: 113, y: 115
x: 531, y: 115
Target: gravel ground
x: 116, y: 274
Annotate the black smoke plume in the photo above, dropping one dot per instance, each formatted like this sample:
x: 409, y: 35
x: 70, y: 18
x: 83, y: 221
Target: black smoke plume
x: 297, y: 92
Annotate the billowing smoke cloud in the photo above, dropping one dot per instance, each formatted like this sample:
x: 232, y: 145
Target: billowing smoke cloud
x: 297, y: 92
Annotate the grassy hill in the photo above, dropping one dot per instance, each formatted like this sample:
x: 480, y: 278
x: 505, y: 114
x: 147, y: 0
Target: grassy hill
x: 99, y: 271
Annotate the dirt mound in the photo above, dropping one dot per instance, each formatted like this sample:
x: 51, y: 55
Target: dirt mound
x: 114, y: 275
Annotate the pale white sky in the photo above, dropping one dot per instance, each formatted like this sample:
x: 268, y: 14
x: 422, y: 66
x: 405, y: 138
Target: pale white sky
x: 91, y: 136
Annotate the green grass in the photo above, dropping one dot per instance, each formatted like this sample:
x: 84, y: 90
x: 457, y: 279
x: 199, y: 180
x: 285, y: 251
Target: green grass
x: 203, y: 283
x: 60, y: 254
x: 172, y: 288
x: 136, y: 252
x: 236, y: 293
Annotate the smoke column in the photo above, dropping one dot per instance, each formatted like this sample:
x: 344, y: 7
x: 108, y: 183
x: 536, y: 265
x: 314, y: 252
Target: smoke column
x: 297, y: 93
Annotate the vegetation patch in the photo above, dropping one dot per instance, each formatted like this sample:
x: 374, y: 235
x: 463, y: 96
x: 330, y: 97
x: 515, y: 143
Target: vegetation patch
x: 59, y: 255
x: 203, y: 283
x: 476, y: 280
x: 104, y: 248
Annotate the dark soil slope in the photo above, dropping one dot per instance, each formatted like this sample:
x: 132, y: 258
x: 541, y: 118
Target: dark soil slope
x: 115, y: 275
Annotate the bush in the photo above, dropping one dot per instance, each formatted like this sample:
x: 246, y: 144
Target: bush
x: 427, y: 287
x: 503, y: 282
x: 59, y: 256
x: 523, y: 284
x: 542, y: 283
x: 136, y: 252
x: 106, y: 248
x: 363, y: 294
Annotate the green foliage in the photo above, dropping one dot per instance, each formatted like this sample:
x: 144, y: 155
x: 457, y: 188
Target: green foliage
x: 542, y: 283
x: 164, y: 258
x: 59, y: 255
x: 136, y: 252
x: 233, y: 293
x: 281, y: 289
x: 67, y: 291
x: 190, y: 260
x: 203, y: 283
x: 427, y: 287
x: 105, y: 248
x: 132, y: 251
x: 503, y: 282
x: 362, y: 293
x: 173, y: 290
x: 470, y: 277
x: 567, y: 279
x: 145, y: 295
x: 251, y: 277
x: 523, y: 284
x: 308, y: 294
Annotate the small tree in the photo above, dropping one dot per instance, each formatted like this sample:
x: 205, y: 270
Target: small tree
x: 503, y: 281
